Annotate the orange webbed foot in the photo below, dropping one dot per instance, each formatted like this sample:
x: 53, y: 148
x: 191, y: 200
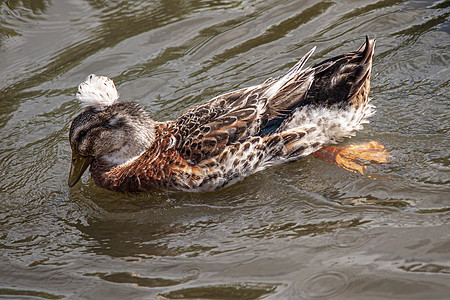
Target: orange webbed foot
x: 345, y: 156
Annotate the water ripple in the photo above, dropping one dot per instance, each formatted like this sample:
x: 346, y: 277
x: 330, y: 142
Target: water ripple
x: 350, y: 238
x: 325, y: 285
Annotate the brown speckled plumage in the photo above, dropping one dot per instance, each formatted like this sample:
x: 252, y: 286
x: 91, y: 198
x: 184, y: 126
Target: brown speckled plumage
x: 229, y: 137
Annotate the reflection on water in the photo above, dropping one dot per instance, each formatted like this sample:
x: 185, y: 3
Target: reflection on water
x: 244, y: 291
x: 306, y: 229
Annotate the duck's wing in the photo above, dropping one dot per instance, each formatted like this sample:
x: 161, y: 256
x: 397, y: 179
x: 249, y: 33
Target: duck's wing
x: 205, y: 130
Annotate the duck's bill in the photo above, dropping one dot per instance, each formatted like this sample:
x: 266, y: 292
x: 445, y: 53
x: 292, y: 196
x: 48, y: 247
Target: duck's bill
x: 77, y: 168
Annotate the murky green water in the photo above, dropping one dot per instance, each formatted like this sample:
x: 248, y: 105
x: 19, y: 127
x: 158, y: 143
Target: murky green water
x: 304, y: 230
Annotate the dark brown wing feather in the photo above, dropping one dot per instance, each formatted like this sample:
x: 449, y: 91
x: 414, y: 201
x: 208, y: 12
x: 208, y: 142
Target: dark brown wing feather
x: 204, y: 131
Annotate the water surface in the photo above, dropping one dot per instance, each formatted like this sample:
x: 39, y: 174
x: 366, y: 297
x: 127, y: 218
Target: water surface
x: 305, y: 230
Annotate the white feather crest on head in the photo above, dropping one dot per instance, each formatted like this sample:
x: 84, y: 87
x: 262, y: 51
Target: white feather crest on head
x: 97, y: 91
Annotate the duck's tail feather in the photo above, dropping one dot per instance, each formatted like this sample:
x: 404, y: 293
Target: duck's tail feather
x: 359, y: 94
x: 340, y: 81
x: 343, y: 80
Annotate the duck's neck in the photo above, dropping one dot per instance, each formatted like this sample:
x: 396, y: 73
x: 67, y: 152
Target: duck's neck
x: 137, y: 140
x: 122, y: 173
x: 124, y: 155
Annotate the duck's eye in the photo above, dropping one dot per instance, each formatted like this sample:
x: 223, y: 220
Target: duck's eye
x: 82, y: 133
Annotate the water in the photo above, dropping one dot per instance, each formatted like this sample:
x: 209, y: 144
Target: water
x: 305, y: 230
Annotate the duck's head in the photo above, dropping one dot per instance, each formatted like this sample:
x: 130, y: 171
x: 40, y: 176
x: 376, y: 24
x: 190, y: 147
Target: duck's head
x: 113, y: 131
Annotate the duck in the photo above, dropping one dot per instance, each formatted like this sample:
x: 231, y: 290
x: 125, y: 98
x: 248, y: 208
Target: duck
x: 224, y: 140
